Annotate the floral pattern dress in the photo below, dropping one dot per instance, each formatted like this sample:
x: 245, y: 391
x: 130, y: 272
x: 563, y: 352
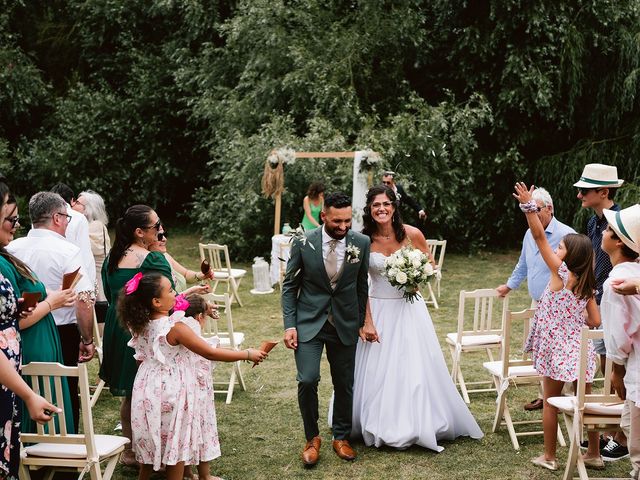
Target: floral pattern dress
x: 205, y: 441
x: 554, y: 339
x: 10, y: 406
x: 164, y: 404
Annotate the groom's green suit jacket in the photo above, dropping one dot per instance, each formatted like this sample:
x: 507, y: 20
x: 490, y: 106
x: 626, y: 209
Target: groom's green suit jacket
x: 307, y: 296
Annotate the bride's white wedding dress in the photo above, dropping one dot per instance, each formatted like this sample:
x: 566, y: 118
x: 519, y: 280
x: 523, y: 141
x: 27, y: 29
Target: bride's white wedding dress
x: 403, y: 394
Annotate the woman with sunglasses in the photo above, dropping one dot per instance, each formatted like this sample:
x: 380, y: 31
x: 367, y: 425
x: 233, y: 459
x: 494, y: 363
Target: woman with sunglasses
x: 40, y: 337
x: 181, y: 274
x: 135, y: 232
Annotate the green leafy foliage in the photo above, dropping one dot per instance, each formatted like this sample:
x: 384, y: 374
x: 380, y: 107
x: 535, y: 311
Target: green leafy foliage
x: 177, y: 104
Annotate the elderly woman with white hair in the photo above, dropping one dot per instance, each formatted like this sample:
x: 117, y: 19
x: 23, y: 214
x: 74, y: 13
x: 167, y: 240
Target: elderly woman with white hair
x: 91, y: 205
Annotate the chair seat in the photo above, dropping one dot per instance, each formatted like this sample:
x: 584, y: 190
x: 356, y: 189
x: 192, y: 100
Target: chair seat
x: 566, y: 404
x: 105, y: 445
x: 238, y: 338
x: 495, y: 368
x: 235, y: 273
x: 474, y: 340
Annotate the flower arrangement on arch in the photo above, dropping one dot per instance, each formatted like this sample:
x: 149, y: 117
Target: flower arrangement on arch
x: 407, y: 269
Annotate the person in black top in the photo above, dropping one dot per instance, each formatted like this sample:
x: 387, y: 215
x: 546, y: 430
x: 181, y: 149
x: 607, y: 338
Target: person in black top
x: 388, y: 179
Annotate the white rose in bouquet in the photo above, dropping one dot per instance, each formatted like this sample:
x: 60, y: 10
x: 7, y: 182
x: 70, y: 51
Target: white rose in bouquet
x: 428, y: 269
x: 401, y: 278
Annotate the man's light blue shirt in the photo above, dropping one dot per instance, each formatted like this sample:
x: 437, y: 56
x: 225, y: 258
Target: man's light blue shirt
x: 531, y: 265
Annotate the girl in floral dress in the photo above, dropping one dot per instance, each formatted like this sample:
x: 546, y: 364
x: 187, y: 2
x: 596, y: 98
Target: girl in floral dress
x: 554, y: 339
x: 165, y: 398
x: 196, y: 308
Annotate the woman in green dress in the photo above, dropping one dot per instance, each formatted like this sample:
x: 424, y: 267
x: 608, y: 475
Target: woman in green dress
x: 313, y: 204
x: 130, y: 254
x: 40, y: 340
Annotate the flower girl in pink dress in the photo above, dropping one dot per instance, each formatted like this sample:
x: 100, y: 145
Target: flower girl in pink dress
x: 567, y: 304
x: 164, y: 405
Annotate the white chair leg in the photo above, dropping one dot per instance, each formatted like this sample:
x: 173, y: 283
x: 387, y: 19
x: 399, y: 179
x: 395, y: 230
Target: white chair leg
x: 240, y: 377
x: 432, y: 296
x: 512, y: 431
x: 97, y: 392
x: 463, y: 387
x: 232, y: 384
x: 501, y: 404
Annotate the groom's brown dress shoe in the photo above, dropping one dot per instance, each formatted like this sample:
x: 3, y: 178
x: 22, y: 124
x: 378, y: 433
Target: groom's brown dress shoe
x: 344, y: 450
x: 311, y: 451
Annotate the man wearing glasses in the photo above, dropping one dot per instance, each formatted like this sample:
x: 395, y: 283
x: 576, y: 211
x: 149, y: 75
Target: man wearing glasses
x: 388, y: 179
x: 596, y: 190
x: 77, y: 230
x: 46, y: 251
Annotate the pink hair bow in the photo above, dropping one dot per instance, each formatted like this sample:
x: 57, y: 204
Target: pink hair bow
x: 132, y: 285
x: 181, y: 304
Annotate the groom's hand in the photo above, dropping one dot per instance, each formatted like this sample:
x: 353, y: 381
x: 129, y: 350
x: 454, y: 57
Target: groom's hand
x: 291, y: 338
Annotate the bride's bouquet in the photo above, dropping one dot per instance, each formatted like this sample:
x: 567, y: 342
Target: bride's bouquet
x: 407, y: 269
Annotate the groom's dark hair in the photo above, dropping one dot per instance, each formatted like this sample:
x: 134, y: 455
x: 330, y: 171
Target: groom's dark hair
x: 337, y: 200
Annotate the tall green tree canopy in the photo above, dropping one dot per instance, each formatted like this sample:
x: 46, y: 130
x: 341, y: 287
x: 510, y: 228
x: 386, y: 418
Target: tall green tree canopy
x: 169, y: 102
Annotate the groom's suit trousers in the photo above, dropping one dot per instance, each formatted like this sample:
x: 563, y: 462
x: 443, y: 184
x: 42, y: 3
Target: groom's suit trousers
x: 341, y: 361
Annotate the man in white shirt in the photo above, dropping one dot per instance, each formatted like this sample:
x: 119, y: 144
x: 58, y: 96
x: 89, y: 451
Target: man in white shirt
x: 46, y: 251
x: 621, y: 321
x: 77, y: 230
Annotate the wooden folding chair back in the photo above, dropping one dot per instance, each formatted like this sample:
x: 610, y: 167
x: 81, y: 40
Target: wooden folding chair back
x: 52, y: 446
x: 437, y: 248
x: 218, y: 257
x: 588, y: 411
x: 228, y: 338
x: 514, y: 370
x: 480, y: 321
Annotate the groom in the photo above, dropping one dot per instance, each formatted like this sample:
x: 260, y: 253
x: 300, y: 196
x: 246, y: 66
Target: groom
x: 324, y: 296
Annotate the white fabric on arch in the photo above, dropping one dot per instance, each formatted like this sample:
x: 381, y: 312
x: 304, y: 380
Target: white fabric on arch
x: 359, y: 192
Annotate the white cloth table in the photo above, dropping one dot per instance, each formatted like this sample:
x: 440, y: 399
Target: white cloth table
x: 276, y: 241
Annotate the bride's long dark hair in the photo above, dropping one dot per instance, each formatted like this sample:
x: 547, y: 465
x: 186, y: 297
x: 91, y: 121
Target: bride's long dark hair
x: 370, y: 225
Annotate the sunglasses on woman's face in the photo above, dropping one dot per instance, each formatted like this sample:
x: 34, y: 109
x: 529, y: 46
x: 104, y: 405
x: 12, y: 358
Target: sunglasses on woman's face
x: 162, y: 236
x: 155, y: 225
x: 15, y: 220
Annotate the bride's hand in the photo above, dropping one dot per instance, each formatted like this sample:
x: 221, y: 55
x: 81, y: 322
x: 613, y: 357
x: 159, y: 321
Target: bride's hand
x: 368, y: 333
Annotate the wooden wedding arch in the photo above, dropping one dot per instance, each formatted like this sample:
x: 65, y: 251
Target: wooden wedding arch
x: 273, y: 176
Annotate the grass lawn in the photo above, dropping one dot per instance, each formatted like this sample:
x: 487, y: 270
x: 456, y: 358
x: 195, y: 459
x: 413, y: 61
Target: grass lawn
x: 261, y: 431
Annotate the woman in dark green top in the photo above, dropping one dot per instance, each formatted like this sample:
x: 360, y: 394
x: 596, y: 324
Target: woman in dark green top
x: 135, y: 231
x: 40, y: 340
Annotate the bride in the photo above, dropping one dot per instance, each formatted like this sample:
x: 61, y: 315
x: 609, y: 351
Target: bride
x: 403, y: 394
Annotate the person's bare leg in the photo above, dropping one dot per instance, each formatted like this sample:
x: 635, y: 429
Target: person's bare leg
x: 593, y: 450
x: 127, y: 457
x: 551, y: 388
x: 145, y: 472
x: 175, y: 472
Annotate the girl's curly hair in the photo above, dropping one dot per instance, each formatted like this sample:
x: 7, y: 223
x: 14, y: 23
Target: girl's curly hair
x: 197, y: 305
x: 134, y: 310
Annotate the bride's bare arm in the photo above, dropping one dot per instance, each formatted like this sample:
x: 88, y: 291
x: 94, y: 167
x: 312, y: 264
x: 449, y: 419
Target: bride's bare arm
x: 368, y: 332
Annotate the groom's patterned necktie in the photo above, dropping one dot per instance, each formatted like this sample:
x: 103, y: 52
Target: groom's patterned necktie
x: 331, y: 262
x: 331, y: 266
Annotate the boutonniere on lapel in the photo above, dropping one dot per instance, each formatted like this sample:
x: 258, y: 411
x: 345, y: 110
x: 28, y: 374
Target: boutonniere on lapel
x: 352, y: 254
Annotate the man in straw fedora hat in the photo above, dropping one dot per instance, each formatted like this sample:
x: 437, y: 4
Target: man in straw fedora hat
x: 597, y: 188
x: 621, y: 321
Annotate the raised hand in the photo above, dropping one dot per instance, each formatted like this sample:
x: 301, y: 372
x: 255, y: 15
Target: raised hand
x: 522, y: 193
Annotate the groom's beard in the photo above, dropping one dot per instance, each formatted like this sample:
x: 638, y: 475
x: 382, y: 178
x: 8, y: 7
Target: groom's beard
x: 337, y: 234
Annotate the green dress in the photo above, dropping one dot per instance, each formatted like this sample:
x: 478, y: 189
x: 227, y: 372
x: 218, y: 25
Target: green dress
x: 119, y: 368
x: 315, y: 213
x: 40, y: 342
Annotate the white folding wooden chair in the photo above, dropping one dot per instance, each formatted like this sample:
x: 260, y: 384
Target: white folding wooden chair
x: 285, y: 252
x: 228, y: 339
x: 599, y: 412
x: 97, y: 340
x: 437, y: 248
x: 53, y: 447
x: 218, y: 257
x: 508, y: 372
x: 476, y: 334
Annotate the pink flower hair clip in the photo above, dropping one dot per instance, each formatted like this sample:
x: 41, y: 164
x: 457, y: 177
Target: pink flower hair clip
x: 132, y: 285
x: 181, y: 304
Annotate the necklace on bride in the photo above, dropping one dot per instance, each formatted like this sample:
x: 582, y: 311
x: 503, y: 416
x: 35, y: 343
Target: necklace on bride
x: 386, y: 237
